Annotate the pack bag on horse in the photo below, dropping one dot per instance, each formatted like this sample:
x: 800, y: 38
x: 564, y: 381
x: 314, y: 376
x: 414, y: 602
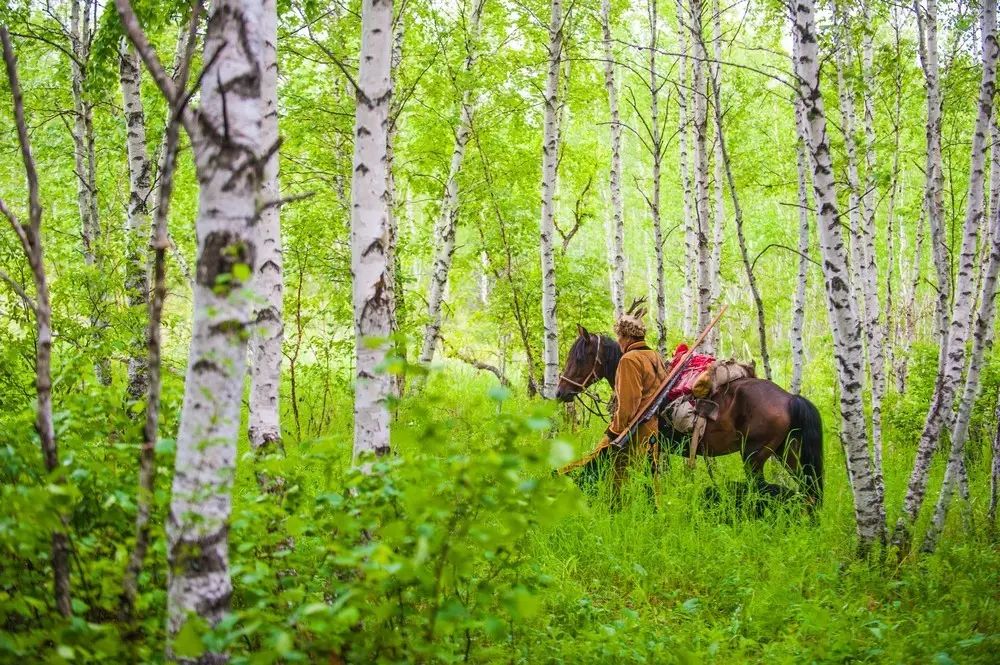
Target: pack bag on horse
x: 739, y: 414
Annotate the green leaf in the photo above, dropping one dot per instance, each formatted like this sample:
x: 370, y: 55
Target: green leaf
x: 188, y: 642
x: 242, y: 272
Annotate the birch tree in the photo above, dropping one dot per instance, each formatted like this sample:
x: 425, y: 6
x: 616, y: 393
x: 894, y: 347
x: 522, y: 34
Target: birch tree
x: 874, y: 332
x: 799, y: 303
x: 982, y: 332
x: 229, y: 156
x: 160, y: 243
x: 683, y: 135
x: 137, y: 219
x: 617, y: 203
x: 719, y: 217
x: 29, y: 236
x: 868, y: 509
x: 699, y: 96
x: 370, y: 229
x: 268, y: 331
x: 656, y: 147
x: 550, y: 157
x: 447, y: 222
x: 940, y: 411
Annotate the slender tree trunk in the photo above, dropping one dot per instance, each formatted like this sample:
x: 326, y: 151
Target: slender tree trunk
x: 874, y: 332
x: 869, y: 515
x: 891, y: 320
x: 799, y: 304
x: 227, y: 147
x: 268, y: 333
x: 617, y: 204
x: 941, y: 409
x: 656, y: 143
x: 137, y: 222
x: 370, y: 229
x: 393, y: 284
x: 738, y: 216
x: 700, y: 101
x: 160, y: 243
x: 684, y: 132
x: 982, y: 335
x: 719, y: 218
x: 845, y: 91
x: 30, y: 237
x: 550, y: 157
x: 448, y: 220
x: 927, y: 48
x: 81, y: 33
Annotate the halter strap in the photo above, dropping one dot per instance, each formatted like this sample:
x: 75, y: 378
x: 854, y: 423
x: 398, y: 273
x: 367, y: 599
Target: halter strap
x: 593, y: 370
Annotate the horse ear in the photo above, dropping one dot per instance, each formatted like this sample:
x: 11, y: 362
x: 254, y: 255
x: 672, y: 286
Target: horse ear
x: 582, y: 331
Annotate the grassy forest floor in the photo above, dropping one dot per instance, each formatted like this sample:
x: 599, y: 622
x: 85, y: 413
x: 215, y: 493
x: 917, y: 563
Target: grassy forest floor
x: 465, y: 548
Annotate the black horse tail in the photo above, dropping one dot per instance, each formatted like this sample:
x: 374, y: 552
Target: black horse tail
x: 806, y: 419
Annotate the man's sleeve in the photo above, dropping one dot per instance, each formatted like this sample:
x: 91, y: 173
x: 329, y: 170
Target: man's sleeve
x: 628, y: 388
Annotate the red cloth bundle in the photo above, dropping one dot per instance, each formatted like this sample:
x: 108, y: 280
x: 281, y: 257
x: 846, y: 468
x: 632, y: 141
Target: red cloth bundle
x: 698, y: 364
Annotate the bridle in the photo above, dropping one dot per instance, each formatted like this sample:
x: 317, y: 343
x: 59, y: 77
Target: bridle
x: 593, y: 376
x: 585, y: 386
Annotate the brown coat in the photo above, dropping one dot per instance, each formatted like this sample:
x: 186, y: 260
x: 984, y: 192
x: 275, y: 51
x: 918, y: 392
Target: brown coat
x: 640, y: 373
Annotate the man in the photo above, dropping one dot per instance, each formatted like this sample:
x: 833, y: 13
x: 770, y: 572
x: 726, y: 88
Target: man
x: 640, y: 373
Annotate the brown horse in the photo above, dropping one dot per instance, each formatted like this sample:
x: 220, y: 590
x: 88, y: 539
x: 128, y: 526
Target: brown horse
x: 756, y: 418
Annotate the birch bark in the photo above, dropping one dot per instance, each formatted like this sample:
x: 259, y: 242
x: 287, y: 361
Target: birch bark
x: 927, y: 49
x: 550, y: 156
x: 656, y: 142
x: 683, y: 131
x: 448, y: 220
x: 799, y: 303
x: 226, y: 142
x: 719, y: 218
x: 137, y: 221
x: 869, y: 514
x: 370, y: 229
x: 982, y: 334
x: 268, y: 332
x: 940, y: 412
x: 617, y: 204
x: 874, y: 332
x: 700, y: 101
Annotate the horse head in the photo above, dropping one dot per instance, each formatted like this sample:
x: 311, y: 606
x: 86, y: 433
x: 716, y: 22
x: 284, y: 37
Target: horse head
x: 591, y: 358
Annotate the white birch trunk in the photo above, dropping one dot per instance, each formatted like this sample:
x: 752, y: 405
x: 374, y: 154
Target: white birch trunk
x: 654, y: 203
x: 448, y: 221
x: 684, y: 129
x: 844, y: 63
x: 370, y: 229
x: 137, y: 228
x: 799, y: 303
x: 700, y: 102
x: 617, y: 204
x: 869, y: 515
x: 719, y: 219
x: 941, y: 409
x: 83, y: 143
x: 226, y: 142
x: 268, y: 333
x: 927, y: 48
x: 874, y: 332
x: 982, y: 334
x: 550, y: 157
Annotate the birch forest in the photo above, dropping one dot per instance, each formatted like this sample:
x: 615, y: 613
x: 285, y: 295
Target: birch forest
x: 292, y: 293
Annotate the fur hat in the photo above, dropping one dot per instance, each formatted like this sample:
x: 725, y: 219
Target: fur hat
x: 630, y: 324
